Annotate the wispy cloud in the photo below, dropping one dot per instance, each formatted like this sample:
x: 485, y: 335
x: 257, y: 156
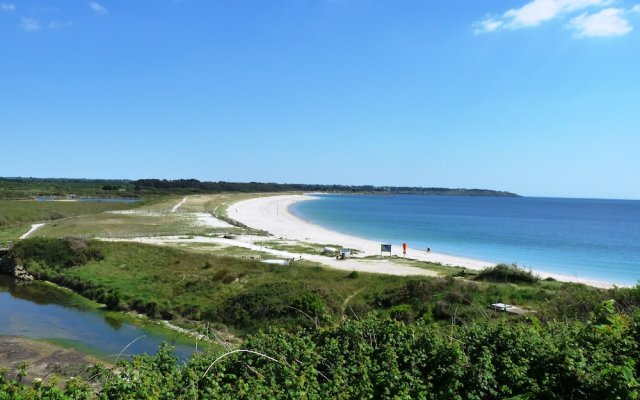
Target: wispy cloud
x: 604, y: 22
x: 486, y: 25
x: 30, y: 25
x: 98, y: 8
x: 608, y: 22
x: 57, y: 25
x: 7, y: 6
x: 538, y: 11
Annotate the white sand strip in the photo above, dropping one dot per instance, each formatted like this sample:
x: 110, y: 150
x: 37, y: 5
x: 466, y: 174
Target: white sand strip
x: 34, y: 228
x: 206, y: 219
x: 271, y: 214
x: 143, y: 212
x: 175, y: 208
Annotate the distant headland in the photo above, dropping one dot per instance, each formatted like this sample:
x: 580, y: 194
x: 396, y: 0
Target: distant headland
x: 30, y: 187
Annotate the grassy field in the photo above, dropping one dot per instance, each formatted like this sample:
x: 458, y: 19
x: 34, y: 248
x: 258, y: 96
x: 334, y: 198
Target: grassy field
x: 91, y: 219
x: 16, y: 215
x: 21, y: 212
x: 12, y: 234
x: 124, y: 226
x: 88, y: 219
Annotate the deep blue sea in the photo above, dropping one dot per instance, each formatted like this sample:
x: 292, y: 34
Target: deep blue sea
x: 583, y: 238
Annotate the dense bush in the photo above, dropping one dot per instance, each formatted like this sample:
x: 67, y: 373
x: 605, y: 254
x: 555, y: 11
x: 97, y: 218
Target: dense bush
x: 415, y: 296
x: 508, y: 274
x: 627, y: 299
x: 276, y: 301
x: 378, y: 358
x: 56, y: 253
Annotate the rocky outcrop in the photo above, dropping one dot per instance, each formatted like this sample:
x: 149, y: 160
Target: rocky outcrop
x: 20, y: 273
x: 9, y: 267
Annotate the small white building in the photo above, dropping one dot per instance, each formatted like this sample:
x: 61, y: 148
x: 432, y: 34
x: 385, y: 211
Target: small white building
x: 344, y: 254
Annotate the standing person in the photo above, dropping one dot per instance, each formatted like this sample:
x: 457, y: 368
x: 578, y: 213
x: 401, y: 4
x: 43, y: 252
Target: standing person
x: 428, y: 249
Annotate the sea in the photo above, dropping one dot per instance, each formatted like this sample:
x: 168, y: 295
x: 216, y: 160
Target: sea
x: 589, y: 239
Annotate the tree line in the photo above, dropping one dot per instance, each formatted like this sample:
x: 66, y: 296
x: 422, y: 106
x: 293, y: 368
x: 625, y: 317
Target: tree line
x: 19, y: 188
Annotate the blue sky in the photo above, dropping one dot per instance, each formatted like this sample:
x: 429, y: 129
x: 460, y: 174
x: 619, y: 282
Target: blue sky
x: 538, y: 97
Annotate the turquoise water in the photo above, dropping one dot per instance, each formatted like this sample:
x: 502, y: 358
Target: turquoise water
x: 583, y: 238
x: 40, y: 311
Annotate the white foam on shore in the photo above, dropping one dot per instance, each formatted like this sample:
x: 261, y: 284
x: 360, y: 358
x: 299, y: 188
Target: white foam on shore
x: 272, y: 215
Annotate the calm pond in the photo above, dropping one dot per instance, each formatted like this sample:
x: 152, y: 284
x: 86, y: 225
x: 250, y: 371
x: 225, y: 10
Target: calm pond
x: 42, y: 311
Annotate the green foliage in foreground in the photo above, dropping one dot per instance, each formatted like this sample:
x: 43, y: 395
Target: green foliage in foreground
x: 379, y: 358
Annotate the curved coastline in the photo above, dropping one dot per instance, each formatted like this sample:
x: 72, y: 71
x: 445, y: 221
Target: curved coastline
x: 272, y: 215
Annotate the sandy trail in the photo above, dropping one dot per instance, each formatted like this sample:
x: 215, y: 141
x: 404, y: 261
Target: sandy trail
x: 34, y: 227
x: 271, y: 214
x: 175, y: 208
x: 206, y: 219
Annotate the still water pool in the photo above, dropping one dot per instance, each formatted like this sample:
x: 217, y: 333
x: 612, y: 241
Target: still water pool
x: 42, y: 311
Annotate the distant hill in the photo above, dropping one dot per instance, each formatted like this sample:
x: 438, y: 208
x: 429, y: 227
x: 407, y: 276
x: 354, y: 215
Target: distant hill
x: 14, y: 188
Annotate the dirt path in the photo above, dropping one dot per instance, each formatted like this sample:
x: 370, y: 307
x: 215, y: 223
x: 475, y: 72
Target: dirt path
x: 34, y: 227
x: 346, y: 301
x: 175, y: 208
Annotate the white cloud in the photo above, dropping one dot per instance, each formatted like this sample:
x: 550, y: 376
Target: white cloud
x: 30, y: 25
x: 57, y: 25
x: 636, y: 8
x: 7, y: 6
x: 534, y: 13
x: 99, y: 9
x: 489, y: 24
x: 538, y: 11
x: 608, y: 22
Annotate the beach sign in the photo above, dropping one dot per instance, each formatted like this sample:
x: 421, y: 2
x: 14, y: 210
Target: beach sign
x: 385, y: 248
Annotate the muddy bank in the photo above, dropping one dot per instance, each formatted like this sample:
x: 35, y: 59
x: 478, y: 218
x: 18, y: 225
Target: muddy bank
x: 44, y: 360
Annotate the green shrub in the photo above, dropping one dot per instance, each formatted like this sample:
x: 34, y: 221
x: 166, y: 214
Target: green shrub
x: 55, y: 253
x: 402, y: 312
x: 379, y: 358
x: 627, y: 299
x: 414, y: 291
x: 275, y: 301
x: 508, y: 274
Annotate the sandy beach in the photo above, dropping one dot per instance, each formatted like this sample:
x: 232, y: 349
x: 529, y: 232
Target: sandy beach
x: 272, y: 215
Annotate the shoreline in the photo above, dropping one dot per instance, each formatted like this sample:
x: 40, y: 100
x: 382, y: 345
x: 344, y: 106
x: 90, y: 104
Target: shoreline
x: 272, y: 215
